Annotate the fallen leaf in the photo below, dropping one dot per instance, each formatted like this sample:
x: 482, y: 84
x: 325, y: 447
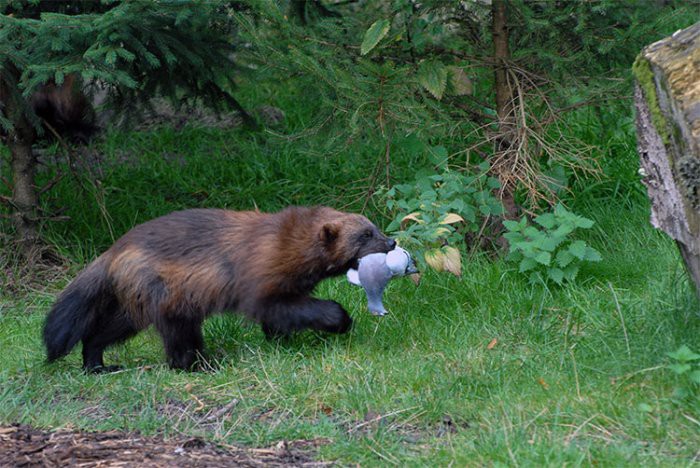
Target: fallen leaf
x: 492, y: 344
x: 416, y: 279
x: 543, y: 383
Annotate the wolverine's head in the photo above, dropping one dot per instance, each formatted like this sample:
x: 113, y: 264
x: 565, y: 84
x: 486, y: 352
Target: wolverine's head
x: 349, y: 237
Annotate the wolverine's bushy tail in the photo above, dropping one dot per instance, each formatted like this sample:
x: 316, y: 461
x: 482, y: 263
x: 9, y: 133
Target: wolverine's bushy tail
x: 74, y: 310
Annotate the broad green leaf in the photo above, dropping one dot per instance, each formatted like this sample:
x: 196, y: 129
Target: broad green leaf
x: 564, y: 257
x: 548, y: 244
x: 582, y: 222
x: 556, y: 274
x: 527, y: 264
x: 679, y: 368
x: 544, y: 258
x: 563, y: 230
x: 511, y: 225
x: 457, y: 204
x: 394, y: 225
x: 546, y: 220
x: 695, y: 376
x: 485, y: 210
x: 469, y: 214
x: 373, y: 35
x: 560, y: 211
x: 570, y: 272
x: 533, y: 232
x: 513, y: 237
x: 514, y: 256
x: 578, y: 249
x: 493, y: 183
x: 432, y: 75
x: 592, y: 255
x: 684, y: 354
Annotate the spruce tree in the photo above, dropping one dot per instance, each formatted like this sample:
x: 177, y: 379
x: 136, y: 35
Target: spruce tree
x: 133, y: 50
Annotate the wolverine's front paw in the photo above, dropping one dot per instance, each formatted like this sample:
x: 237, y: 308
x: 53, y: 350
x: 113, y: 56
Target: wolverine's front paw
x: 334, y: 318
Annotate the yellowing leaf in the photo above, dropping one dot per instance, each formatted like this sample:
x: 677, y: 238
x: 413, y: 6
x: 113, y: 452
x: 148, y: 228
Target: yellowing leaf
x: 492, y: 344
x: 441, y: 231
x: 460, y: 82
x: 435, y: 259
x: 452, y: 218
x: 415, y: 216
x: 453, y: 260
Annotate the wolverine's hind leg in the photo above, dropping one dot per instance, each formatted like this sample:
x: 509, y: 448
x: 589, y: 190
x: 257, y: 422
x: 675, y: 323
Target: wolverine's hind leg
x: 109, y: 327
x: 183, y: 341
x: 283, y: 317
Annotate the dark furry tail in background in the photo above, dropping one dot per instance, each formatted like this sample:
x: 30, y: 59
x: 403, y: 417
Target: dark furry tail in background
x: 74, y: 311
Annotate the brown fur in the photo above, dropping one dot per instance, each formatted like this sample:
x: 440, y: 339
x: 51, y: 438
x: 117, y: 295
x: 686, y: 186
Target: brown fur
x: 176, y: 270
x: 66, y: 109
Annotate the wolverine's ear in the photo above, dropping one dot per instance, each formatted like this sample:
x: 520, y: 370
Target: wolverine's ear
x: 329, y: 233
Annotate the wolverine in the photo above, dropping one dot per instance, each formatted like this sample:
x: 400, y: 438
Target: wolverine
x: 175, y: 271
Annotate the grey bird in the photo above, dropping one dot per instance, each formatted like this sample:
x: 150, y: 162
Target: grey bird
x: 375, y: 271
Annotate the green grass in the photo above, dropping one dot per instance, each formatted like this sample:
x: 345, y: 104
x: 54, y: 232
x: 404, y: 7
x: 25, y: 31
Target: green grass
x: 566, y: 382
x: 577, y: 375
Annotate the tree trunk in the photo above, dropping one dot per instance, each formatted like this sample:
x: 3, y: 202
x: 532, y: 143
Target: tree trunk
x: 667, y: 101
x: 501, y: 54
x: 504, y: 106
x: 25, y: 198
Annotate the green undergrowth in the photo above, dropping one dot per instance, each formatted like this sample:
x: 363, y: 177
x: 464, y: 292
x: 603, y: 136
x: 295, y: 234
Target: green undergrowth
x: 482, y: 369
x: 487, y: 368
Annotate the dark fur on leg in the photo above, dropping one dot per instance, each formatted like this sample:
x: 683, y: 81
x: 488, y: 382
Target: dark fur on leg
x: 109, y: 328
x: 183, y: 341
x: 282, y: 318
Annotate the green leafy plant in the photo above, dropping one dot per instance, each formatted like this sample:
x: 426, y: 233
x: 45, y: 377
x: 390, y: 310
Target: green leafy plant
x: 686, y: 363
x: 548, y: 252
x: 438, y: 208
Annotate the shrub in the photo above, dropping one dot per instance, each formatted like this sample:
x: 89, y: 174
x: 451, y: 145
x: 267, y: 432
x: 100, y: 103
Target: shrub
x: 548, y: 252
x: 437, y: 210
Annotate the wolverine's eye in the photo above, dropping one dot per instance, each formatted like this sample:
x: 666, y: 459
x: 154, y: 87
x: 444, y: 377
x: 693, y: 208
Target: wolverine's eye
x: 367, y: 234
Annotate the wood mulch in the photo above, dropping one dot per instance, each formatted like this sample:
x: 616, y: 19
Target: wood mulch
x: 23, y: 446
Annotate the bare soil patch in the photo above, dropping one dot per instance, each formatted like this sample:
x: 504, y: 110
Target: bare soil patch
x: 23, y: 446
